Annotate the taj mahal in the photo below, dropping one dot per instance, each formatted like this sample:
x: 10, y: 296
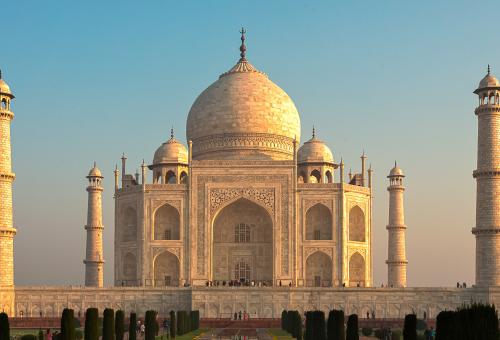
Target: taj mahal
x: 248, y: 217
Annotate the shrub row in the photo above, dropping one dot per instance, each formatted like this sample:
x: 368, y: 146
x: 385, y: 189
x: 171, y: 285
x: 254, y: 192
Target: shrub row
x: 186, y: 321
x: 477, y: 321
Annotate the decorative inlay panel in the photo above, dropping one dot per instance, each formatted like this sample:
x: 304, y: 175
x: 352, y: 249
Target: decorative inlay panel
x: 220, y: 195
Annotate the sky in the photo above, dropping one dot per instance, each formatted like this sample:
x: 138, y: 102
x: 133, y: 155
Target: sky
x: 94, y: 79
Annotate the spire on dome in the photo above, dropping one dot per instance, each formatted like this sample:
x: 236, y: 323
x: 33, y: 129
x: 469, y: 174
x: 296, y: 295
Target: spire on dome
x: 314, y: 132
x: 488, y: 70
x: 243, y: 48
x: 0, y: 73
x: 172, y: 132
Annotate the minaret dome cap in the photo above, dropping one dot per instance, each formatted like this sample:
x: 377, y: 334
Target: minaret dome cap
x: 396, y: 172
x: 95, y: 172
x: 489, y: 81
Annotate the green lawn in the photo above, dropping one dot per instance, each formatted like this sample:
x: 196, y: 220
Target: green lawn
x: 191, y: 335
x: 280, y: 334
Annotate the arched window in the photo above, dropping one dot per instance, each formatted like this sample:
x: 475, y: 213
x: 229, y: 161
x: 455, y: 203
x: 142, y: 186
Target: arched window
x: 184, y: 177
x: 242, y: 233
x: 242, y: 271
x: 316, y: 174
x: 4, y: 103
x: 129, y: 231
x: 171, y: 178
x: 328, y: 177
x: 356, y: 225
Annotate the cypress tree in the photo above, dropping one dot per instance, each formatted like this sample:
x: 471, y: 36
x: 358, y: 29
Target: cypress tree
x: 68, y: 325
x: 132, y: 325
x: 119, y: 325
x: 410, y: 327
x: 283, y: 320
x: 173, y: 325
x: 108, y: 324
x: 150, y: 325
x: 4, y: 327
x: 298, y: 323
x: 91, y: 331
x: 352, y: 327
x: 335, y: 325
x: 40, y: 335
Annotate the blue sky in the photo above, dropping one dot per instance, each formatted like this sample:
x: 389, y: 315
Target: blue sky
x: 95, y: 79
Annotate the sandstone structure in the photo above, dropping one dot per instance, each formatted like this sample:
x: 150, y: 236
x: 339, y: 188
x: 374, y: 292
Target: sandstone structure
x: 396, y: 262
x: 94, y: 260
x: 245, y: 203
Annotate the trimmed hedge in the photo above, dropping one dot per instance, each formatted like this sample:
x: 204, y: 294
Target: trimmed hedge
x: 68, y: 325
x: 173, y: 325
x: 150, y: 325
x: 315, y: 326
x: 477, y: 321
x: 108, y: 324
x: 352, y: 327
x: 4, y: 327
x: 410, y: 327
x: 132, y: 326
x: 91, y: 331
x: 119, y: 325
x: 335, y: 325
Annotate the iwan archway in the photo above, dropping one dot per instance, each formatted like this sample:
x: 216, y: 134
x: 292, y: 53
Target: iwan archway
x: 243, y: 243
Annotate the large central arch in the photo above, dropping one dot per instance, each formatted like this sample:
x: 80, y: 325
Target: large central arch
x: 243, y: 243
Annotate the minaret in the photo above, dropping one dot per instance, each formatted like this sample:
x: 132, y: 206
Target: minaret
x: 94, y: 258
x: 487, y: 175
x: 396, y: 262
x: 7, y: 231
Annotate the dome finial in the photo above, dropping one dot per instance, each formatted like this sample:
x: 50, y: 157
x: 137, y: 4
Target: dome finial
x: 95, y: 164
x: 172, y: 132
x: 243, y: 48
x: 0, y: 73
x: 314, y: 132
x: 488, y: 69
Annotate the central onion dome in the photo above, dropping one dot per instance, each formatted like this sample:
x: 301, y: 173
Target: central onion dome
x: 243, y: 115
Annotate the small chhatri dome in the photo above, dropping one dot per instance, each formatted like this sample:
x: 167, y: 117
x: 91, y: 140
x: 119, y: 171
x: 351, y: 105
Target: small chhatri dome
x: 172, y: 151
x: 243, y: 115
x: 396, y: 171
x: 95, y: 172
x: 488, y: 81
x: 4, y: 88
x: 314, y: 151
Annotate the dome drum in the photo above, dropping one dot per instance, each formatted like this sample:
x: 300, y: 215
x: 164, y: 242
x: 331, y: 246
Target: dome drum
x: 243, y: 145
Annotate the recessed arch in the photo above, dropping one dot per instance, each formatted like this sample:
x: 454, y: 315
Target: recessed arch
x: 357, y: 229
x: 166, y: 270
x: 129, y: 269
x: 183, y: 177
x: 170, y: 177
x: 356, y: 270
x: 4, y: 103
x: 328, y: 177
x: 129, y: 232
x: 319, y: 270
x: 318, y: 223
x: 257, y: 253
x: 166, y: 223
x: 317, y: 175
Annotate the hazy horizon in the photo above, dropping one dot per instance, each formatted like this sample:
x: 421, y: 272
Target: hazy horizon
x: 93, y: 80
